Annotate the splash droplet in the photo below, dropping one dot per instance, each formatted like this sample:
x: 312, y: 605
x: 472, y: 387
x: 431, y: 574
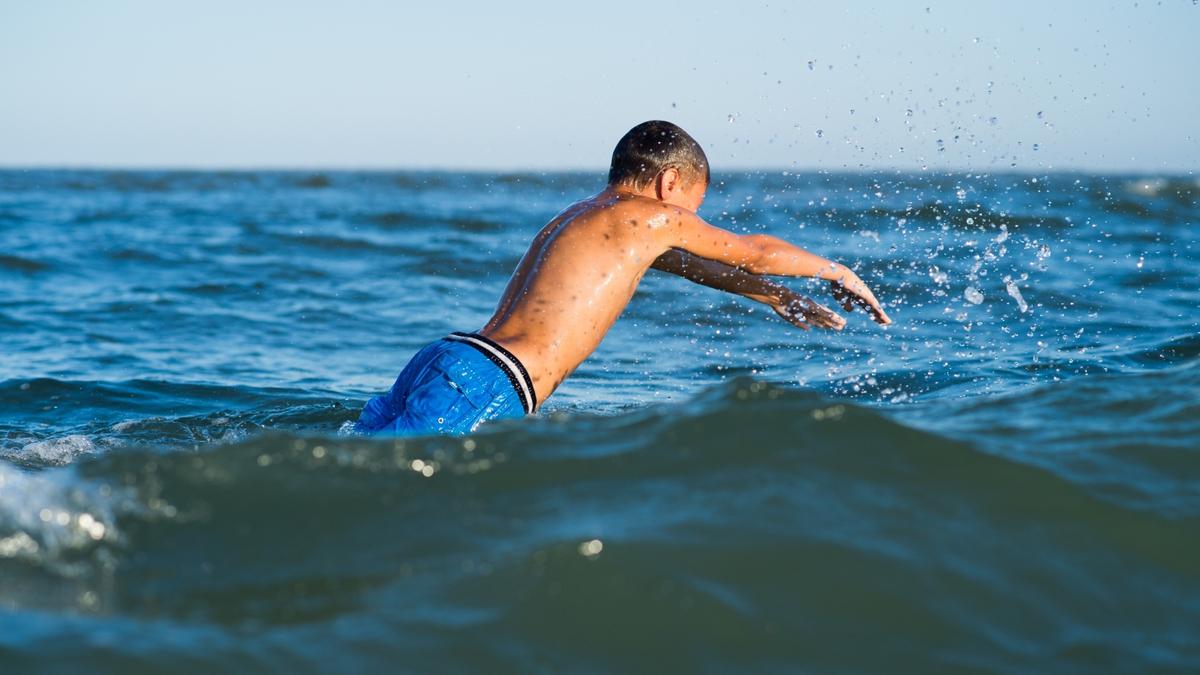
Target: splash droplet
x: 1035, y: 146
x: 1039, y: 114
x: 1043, y: 252
x: 1016, y: 294
x: 992, y: 120
x: 908, y: 113
x: 973, y: 295
x: 810, y: 65
x: 820, y: 133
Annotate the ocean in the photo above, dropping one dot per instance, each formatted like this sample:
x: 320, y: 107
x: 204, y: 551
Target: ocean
x: 1007, y: 480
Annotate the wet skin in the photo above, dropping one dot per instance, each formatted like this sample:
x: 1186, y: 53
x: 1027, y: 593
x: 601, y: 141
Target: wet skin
x: 582, y: 269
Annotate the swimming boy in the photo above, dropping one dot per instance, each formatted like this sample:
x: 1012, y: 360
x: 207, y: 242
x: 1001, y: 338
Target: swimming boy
x: 578, y: 275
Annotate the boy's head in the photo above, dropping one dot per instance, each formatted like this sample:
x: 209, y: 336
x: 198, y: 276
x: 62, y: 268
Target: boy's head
x: 651, y: 148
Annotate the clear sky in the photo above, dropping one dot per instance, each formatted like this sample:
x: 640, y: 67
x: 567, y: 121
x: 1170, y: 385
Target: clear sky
x: 1097, y: 86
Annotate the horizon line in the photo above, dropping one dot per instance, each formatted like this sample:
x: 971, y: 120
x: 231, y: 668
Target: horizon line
x: 317, y: 169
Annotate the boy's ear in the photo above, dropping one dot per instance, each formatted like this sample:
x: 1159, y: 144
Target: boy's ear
x: 669, y: 182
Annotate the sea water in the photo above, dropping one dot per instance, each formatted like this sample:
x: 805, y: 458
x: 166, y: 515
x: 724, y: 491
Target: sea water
x: 1006, y: 480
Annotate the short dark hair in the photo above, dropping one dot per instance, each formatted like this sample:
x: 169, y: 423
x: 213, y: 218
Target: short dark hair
x: 653, y: 147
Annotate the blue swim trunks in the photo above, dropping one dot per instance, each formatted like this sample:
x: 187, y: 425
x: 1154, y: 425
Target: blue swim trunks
x: 451, y: 387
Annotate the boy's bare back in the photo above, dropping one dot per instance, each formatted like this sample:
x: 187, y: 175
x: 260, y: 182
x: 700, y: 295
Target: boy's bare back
x: 582, y: 269
x: 577, y: 277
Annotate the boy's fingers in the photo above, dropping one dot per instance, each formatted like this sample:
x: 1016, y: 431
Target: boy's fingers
x: 879, y: 315
x: 833, y: 319
x: 798, y: 322
x: 789, y: 314
x: 804, y: 313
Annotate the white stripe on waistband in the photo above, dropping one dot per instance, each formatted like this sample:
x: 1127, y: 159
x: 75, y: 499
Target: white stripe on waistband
x: 513, y: 369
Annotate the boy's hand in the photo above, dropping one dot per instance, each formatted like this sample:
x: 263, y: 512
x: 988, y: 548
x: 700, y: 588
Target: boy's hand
x: 855, y: 292
x: 802, y: 312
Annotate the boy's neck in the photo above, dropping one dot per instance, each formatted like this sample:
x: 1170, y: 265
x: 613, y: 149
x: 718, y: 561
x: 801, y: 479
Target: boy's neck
x: 629, y: 191
x: 675, y: 194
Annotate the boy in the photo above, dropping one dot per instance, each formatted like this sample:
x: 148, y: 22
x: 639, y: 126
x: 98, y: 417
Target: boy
x: 578, y: 275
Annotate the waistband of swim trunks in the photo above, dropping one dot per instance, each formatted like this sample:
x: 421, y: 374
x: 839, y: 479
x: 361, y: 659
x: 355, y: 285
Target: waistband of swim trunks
x: 504, y: 359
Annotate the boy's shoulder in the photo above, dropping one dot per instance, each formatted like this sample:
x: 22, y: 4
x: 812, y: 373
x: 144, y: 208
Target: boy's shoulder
x: 631, y: 214
x: 624, y: 207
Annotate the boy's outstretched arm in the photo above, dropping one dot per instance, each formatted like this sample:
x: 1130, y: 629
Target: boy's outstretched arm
x: 797, y: 309
x: 764, y: 254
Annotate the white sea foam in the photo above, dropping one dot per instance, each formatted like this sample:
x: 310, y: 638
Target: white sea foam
x: 62, y: 450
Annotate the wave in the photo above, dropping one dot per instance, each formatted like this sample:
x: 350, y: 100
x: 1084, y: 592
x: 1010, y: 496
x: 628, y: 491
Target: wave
x: 47, y: 422
x: 1170, y: 352
x: 14, y: 263
x: 752, y: 524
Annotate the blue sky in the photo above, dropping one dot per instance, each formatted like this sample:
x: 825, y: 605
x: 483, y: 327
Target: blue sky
x: 1096, y: 86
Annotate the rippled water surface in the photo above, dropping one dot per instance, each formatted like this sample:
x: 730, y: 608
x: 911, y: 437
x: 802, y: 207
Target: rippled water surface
x: 1005, y: 481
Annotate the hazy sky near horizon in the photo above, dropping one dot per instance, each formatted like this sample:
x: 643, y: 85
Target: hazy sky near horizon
x: 1094, y: 86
